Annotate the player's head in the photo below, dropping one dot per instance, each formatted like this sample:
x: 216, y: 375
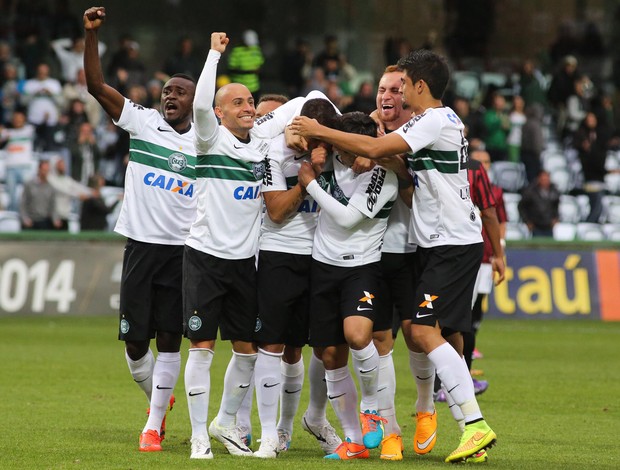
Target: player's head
x: 321, y: 110
x: 234, y: 106
x: 392, y: 111
x: 268, y: 103
x: 355, y: 122
x: 177, y: 99
x: 482, y: 156
x: 424, y: 70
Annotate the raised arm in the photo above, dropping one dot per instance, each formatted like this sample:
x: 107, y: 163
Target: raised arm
x: 109, y: 98
x: 204, y: 116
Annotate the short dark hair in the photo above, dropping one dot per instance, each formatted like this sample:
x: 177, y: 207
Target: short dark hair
x: 273, y: 97
x: 320, y: 109
x: 185, y: 76
x: 357, y: 122
x: 426, y: 65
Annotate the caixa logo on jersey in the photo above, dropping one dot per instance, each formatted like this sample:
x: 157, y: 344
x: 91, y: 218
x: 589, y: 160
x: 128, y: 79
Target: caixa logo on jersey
x: 177, y: 162
x: 168, y: 183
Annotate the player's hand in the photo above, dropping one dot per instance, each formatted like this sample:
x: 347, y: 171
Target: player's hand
x: 306, y: 174
x: 498, y: 267
x: 380, y: 126
x: 304, y: 126
x: 318, y: 157
x: 219, y: 42
x: 94, y: 18
x: 362, y: 165
x: 295, y: 142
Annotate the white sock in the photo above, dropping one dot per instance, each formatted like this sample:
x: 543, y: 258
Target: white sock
x: 342, y: 395
x: 197, y: 388
x: 236, y: 383
x: 268, y: 383
x: 292, y: 384
x: 317, y: 405
x: 244, y: 415
x: 142, y: 372
x: 454, y: 374
x: 165, y: 375
x: 386, y: 393
x: 423, y: 372
x: 366, y: 366
x: 455, y: 409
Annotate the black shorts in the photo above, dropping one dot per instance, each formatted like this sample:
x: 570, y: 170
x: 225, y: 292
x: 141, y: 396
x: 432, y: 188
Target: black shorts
x: 151, y: 294
x: 283, y: 298
x: 398, y: 290
x: 340, y: 292
x: 446, y: 277
x: 218, y: 293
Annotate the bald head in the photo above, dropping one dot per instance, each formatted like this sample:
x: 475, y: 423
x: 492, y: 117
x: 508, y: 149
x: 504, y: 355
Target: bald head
x: 231, y: 90
x: 234, y: 106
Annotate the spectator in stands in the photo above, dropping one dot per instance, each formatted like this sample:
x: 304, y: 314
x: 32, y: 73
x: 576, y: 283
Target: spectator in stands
x: 183, y: 60
x: 365, y: 100
x: 296, y: 67
x: 18, y: 143
x: 472, y: 120
x: 38, y: 202
x: 577, y: 106
x: 43, y: 96
x: 497, y: 125
x: 591, y: 142
x: 127, y: 68
x: 10, y: 93
x: 70, y: 53
x: 517, y: 120
x: 94, y: 212
x: 85, y: 154
x: 532, y: 140
x: 245, y: 62
x: 532, y: 84
x: 330, y: 59
x: 539, y: 206
x: 153, y: 93
x: 68, y: 191
x: 561, y: 87
x: 72, y: 119
x: 78, y: 90
x: 7, y: 58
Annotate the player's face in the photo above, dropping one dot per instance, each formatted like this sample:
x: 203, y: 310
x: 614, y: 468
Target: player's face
x: 236, y: 109
x: 177, y: 99
x: 408, y: 91
x: 389, y: 98
x: 265, y: 107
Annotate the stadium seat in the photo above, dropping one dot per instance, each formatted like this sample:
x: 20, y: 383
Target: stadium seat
x: 611, y: 208
x: 510, y: 176
x: 511, y: 203
x: 612, y: 183
x: 562, y: 179
x: 517, y: 231
x: 564, y: 231
x: 466, y: 84
x: 612, y: 232
x: 493, y: 78
x: 569, y: 209
x: 590, y: 232
x: 553, y: 160
x: 10, y: 222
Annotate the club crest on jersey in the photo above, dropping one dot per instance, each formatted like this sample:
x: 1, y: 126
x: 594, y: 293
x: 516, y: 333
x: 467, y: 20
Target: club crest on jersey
x: 258, y: 326
x: 337, y: 193
x: 177, y: 162
x: 124, y: 326
x: 258, y: 169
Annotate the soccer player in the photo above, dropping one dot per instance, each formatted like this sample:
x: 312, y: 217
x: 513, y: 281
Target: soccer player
x: 219, y: 274
x: 268, y: 103
x: 285, y: 258
x: 345, y: 279
x: 397, y: 256
x: 445, y: 225
x: 158, y: 209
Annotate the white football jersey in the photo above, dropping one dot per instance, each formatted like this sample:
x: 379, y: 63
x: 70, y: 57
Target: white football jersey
x: 296, y: 233
x: 160, y: 195
x: 442, y: 210
x: 372, y: 193
x: 396, y: 238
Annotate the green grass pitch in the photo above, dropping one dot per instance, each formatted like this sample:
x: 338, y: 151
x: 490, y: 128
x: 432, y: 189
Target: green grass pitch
x: 67, y: 401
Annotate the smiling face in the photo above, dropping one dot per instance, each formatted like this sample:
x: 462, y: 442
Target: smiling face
x: 390, y: 101
x: 177, y: 98
x: 234, y: 106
